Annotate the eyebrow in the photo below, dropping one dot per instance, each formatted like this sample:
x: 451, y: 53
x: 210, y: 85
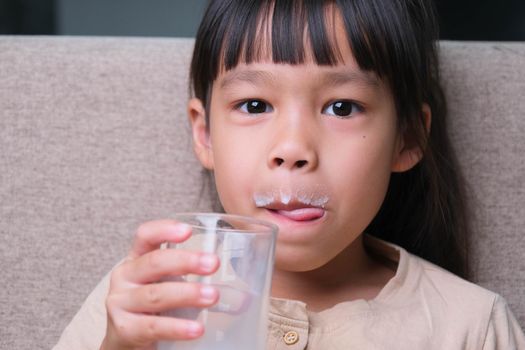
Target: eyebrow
x: 254, y: 77
x: 350, y: 76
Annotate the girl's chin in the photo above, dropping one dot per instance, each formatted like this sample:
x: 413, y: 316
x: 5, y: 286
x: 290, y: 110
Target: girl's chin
x: 297, y: 259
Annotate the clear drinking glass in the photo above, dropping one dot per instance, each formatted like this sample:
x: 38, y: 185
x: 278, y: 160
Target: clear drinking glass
x: 245, y: 247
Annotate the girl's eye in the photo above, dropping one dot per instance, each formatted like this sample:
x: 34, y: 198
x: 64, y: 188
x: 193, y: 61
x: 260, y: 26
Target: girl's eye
x: 342, y: 109
x: 255, y: 107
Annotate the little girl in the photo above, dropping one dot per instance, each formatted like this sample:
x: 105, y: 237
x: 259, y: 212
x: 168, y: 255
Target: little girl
x: 327, y: 119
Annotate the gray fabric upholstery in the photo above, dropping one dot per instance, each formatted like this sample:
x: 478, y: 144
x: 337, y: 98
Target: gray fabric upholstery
x: 94, y: 141
x: 485, y: 85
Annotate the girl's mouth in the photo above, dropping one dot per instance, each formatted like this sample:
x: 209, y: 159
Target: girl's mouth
x: 288, y: 206
x: 299, y: 214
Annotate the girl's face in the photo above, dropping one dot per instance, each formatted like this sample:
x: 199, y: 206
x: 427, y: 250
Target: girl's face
x: 307, y: 147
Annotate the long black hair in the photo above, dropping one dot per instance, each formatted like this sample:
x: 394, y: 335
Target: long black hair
x: 425, y: 209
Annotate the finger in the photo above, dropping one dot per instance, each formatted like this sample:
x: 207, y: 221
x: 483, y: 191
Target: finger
x: 152, y: 234
x: 146, y: 329
x: 161, y: 263
x: 165, y: 296
x: 233, y: 301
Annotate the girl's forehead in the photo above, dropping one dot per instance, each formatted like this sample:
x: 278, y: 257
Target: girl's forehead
x: 343, y: 68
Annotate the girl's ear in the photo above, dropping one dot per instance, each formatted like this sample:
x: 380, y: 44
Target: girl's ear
x: 201, y: 135
x: 408, y: 152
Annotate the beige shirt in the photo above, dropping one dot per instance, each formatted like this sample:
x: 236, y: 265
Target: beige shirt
x: 421, y: 307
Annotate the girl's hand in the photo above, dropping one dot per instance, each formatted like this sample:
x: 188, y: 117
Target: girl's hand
x: 136, y: 297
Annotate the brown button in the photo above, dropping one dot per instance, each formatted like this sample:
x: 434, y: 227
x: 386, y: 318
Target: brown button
x: 291, y: 337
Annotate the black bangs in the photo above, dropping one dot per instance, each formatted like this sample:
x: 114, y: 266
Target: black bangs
x: 248, y: 34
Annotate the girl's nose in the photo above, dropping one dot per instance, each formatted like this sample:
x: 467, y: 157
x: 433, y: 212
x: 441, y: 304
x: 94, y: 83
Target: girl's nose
x: 293, y: 152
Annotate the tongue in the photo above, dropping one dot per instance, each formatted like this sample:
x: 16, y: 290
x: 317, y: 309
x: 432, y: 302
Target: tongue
x: 303, y: 214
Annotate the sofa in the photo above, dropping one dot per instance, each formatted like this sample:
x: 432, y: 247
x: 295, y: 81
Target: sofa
x: 94, y: 141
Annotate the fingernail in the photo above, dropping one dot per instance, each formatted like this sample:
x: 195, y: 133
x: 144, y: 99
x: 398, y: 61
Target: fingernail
x: 182, y: 229
x: 194, y: 329
x: 207, y: 294
x: 207, y: 262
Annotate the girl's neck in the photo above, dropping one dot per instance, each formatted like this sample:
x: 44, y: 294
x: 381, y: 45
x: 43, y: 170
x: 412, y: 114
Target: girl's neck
x: 351, y: 275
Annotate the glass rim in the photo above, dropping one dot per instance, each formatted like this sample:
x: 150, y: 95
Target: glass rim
x: 266, y: 227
